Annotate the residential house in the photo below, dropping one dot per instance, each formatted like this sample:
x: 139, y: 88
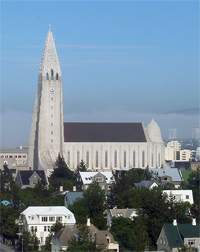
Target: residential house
x: 125, y: 213
x: 149, y: 184
x: 30, y: 178
x: 61, y: 238
x: 104, y: 179
x: 168, y: 175
x: 181, y: 195
x: 40, y: 219
x: 175, y: 236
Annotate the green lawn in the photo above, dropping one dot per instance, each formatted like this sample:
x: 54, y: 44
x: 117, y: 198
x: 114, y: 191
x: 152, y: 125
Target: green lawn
x: 185, y: 174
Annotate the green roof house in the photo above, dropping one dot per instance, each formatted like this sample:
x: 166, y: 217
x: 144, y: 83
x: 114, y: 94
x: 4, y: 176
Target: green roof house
x: 175, y: 236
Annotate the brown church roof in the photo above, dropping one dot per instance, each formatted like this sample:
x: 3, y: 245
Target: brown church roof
x: 104, y: 132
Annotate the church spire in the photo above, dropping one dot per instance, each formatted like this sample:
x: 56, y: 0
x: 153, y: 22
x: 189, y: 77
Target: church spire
x: 50, y: 58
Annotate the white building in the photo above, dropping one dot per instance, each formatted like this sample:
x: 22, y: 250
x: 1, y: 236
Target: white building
x: 41, y: 219
x: 183, y: 155
x: 181, y: 195
x: 171, y: 150
x: 101, y: 145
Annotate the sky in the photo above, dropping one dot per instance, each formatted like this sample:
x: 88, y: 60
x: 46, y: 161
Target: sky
x: 121, y: 61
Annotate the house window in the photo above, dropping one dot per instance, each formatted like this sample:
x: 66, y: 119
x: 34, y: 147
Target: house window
x: 51, y: 218
x: 133, y: 158
x: 99, y: 179
x: 115, y: 158
x: 143, y: 158
x: 35, y: 182
x: 161, y: 240
x: 59, y: 218
x: 35, y: 228
x: 32, y: 229
x: 106, y: 158
x: 187, y: 196
x: 44, y: 218
x: 87, y: 158
x: 96, y: 158
x: 124, y: 158
x: 191, y: 242
x: 45, y: 228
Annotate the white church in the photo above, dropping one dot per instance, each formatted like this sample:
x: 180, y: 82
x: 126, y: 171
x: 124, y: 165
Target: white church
x: 102, y: 146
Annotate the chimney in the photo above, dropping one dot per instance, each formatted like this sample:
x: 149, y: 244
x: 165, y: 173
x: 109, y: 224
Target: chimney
x: 175, y: 222
x: 88, y: 222
x: 61, y: 189
x: 74, y: 188
x: 194, y: 222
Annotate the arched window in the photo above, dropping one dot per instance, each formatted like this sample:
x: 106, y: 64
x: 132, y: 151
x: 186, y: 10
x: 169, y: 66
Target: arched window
x: 78, y: 157
x: 151, y: 159
x: 158, y: 159
x: 124, y: 158
x: 87, y: 158
x: 143, y: 158
x: 106, y: 158
x: 133, y: 158
x: 115, y: 158
x: 68, y: 158
x: 97, y: 159
x: 57, y: 76
x: 52, y: 77
x: 47, y: 76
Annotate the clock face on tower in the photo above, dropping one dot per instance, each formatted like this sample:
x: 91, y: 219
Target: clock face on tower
x: 52, y: 89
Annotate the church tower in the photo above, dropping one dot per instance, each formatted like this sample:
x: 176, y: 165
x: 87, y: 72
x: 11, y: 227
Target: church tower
x: 46, y: 139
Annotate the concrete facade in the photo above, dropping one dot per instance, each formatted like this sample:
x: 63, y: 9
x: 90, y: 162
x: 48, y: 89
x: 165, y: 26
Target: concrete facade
x: 46, y: 139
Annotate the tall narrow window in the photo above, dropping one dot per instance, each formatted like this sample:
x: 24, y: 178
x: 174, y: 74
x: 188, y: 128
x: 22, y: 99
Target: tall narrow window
x: 106, y: 158
x: 143, y: 158
x: 52, y: 77
x: 47, y: 76
x: 124, y: 158
x: 151, y: 159
x: 68, y: 158
x: 57, y: 76
x: 78, y: 157
x: 115, y: 158
x: 87, y: 158
x: 133, y: 158
x: 158, y: 159
x: 97, y: 159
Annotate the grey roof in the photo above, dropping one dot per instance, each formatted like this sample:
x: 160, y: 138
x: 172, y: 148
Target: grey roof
x: 146, y: 183
x: 176, y: 234
x: 25, y: 175
x: 172, y: 172
x: 104, y: 132
x: 13, y: 150
x: 70, y: 197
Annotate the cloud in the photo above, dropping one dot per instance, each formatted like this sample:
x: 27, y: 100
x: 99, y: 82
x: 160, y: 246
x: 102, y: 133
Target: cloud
x: 16, y: 125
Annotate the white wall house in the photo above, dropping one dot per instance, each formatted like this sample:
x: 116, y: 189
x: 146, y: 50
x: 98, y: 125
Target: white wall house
x: 40, y: 219
x: 181, y: 195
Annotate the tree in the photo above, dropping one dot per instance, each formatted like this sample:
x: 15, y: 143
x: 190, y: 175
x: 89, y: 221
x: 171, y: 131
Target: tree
x: 131, y: 234
x: 83, y: 241
x: 62, y: 175
x: 29, y: 241
x: 92, y: 205
x: 81, y: 167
